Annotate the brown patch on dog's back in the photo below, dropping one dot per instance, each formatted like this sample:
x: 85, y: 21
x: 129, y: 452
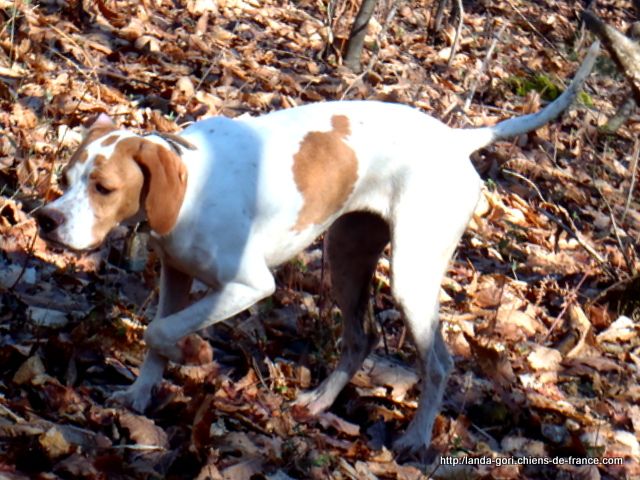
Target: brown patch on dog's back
x: 325, y: 170
x: 340, y: 124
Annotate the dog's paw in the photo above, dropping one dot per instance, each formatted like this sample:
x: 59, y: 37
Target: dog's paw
x: 313, y: 402
x: 135, y: 398
x: 413, y: 446
x: 407, y: 445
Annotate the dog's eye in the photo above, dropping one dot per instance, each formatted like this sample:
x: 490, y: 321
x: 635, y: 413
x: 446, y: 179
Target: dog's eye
x: 102, y: 190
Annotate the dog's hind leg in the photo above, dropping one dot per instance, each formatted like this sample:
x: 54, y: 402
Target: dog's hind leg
x: 354, y: 244
x: 419, y: 261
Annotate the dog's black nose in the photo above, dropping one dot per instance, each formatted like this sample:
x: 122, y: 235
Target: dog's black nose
x: 49, y: 219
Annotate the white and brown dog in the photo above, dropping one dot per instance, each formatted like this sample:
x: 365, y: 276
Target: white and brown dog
x: 228, y: 200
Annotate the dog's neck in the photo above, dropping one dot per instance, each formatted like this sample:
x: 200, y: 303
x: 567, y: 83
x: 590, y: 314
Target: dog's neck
x: 175, y: 142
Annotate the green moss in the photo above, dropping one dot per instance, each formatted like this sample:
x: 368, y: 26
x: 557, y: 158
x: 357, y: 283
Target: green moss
x: 323, y: 460
x: 539, y: 83
x: 585, y: 99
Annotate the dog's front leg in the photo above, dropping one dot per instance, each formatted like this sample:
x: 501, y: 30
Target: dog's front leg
x: 232, y: 298
x: 174, y: 296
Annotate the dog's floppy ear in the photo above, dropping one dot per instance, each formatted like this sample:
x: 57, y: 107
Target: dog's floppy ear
x: 165, y: 183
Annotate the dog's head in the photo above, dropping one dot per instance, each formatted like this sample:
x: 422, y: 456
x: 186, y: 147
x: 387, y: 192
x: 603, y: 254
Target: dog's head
x: 113, y: 176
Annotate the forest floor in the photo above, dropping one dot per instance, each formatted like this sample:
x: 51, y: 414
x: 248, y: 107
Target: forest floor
x: 540, y: 305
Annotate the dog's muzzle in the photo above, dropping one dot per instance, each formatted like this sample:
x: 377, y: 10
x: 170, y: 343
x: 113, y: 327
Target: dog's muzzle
x: 49, y: 220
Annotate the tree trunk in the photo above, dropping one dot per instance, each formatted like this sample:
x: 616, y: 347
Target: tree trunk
x: 358, y: 32
x: 624, y: 51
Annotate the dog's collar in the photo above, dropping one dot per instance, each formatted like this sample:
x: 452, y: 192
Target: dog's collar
x: 176, y: 142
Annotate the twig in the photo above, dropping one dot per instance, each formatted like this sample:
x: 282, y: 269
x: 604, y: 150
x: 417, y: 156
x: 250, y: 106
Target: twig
x: 138, y: 446
x: 537, y: 32
x: 329, y: 24
x: 485, y: 434
x: 625, y: 282
x: 403, y: 336
x: 634, y: 170
x: 527, y: 181
x: 14, y: 14
x: 454, y: 47
x: 582, y: 35
x: 505, y: 111
x: 212, y: 63
x: 436, y: 467
x: 9, y: 413
x: 80, y: 70
x: 556, y: 142
x: 614, y: 226
x: 573, y: 232
x: 565, y: 307
x: 72, y: 41
x: 483, y: 67
x: 87, y: 72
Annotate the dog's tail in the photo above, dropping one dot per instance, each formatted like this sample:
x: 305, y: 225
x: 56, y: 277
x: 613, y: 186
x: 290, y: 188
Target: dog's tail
x: 517, y: 126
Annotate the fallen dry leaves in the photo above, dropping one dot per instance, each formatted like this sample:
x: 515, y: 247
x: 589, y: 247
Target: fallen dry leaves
x: 540, y: 306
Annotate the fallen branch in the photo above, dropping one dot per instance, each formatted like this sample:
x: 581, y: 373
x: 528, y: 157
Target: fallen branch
x: 625, y: 110
x: 624, y: 51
